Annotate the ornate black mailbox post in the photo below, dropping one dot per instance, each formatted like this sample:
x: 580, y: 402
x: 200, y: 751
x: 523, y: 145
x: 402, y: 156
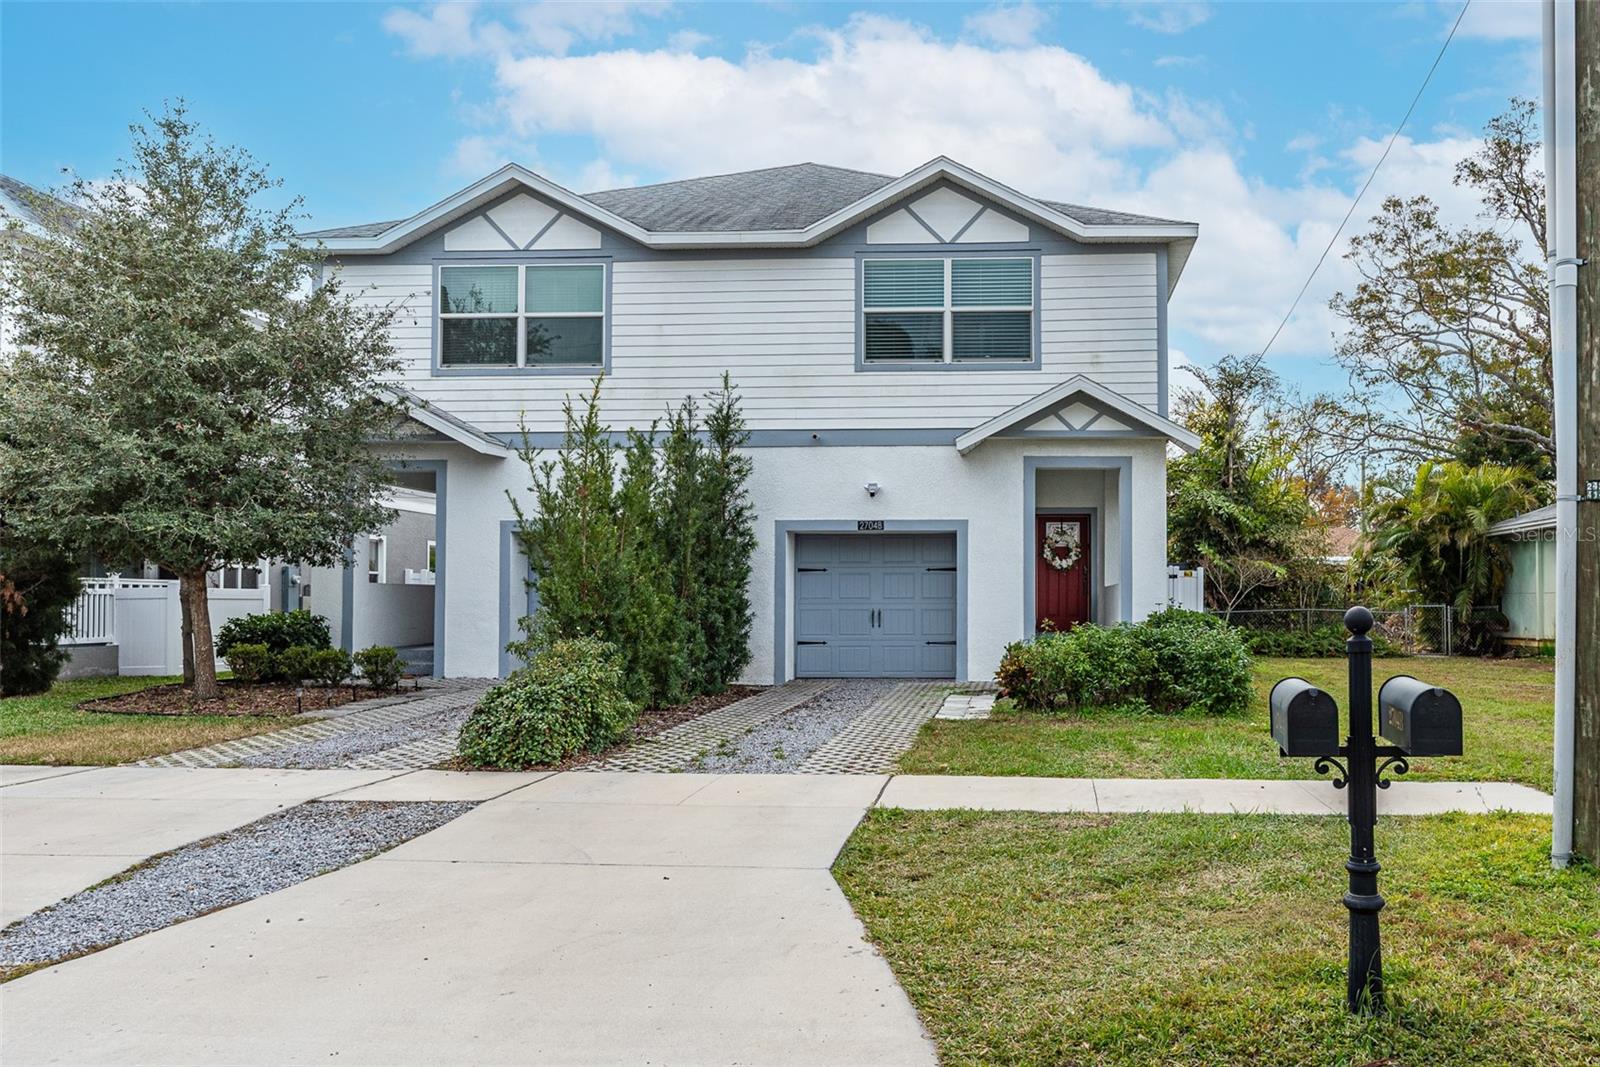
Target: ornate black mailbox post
x: 1420, y: 720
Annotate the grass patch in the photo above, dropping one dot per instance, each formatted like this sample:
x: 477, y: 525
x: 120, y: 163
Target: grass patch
x: 1507, y: 706
x: 48, y: 728
x: 1206, y: 939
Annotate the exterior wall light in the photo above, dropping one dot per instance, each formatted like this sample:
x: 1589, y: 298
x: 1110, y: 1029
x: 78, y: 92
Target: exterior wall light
x: 872, y: 488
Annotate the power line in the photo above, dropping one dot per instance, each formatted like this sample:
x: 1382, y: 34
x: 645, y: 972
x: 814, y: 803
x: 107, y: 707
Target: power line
x: 1393, y: 137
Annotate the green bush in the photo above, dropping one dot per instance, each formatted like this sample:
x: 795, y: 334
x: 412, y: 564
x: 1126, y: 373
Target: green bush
x: 296, y: 663
x: 569, y: 698
x: 1320, y: 641
x: 37, y: 587
x: 1179, y: 661
x: 330, y: 666
x: 251, y: 663
x: 277, y: 630
x: 381, y: 666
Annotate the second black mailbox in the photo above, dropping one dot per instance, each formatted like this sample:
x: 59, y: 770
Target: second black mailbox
x: 1418, y: 718
x: 1305, y: 720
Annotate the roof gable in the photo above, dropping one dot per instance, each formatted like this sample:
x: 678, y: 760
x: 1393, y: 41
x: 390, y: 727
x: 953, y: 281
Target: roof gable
x: 1078, y: 407
x: 779, y: 207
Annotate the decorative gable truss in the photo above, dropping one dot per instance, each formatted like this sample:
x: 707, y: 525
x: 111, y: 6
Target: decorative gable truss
x: 518, y: 225
x: 1078, y: 408
x: 945, y: 216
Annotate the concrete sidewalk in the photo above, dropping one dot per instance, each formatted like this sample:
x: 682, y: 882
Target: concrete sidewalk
x: 1212, y: 795
x: 576, y: 918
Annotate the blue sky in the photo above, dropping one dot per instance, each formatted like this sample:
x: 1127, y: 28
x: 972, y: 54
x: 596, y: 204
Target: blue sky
x: 1259, y: 121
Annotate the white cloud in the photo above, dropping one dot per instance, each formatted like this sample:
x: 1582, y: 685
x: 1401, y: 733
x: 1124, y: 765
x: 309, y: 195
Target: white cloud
x: 1498, y: 20
x: 1178, y: 61
x: 455, y: 30
x: 687, y: 41
x: 879, y: 94
x: 1166, y: 16
x: 1013, y: 25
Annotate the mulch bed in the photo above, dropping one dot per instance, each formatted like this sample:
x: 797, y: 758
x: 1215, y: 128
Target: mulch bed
x: 652, y: 721
x: 238, y: 698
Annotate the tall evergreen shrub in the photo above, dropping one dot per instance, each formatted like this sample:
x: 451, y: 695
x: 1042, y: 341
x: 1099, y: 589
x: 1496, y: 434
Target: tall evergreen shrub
x: 646, y: 545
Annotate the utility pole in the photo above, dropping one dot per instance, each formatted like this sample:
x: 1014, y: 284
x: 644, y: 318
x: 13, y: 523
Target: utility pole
x: 1586, y: 634
x: 1572, y: 168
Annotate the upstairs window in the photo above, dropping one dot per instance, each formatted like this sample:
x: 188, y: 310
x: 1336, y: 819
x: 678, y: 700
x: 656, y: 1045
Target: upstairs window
x: 946, y: 311
x: 522, y: 316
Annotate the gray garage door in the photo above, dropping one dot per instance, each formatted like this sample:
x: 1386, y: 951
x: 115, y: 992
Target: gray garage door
x: 875, y: 606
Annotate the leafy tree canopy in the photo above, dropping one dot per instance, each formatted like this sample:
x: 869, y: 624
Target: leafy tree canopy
x: 185, y: 391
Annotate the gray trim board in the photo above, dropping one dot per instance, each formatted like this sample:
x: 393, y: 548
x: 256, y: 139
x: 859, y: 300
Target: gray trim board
x: 441, y: 546
x: 508, y: 552
x: 1161, y: 331
x: 782, y: 529
x: 512, y: 258
x: 347, y: 625
x: 1031, y: 466
x: 855, y: 438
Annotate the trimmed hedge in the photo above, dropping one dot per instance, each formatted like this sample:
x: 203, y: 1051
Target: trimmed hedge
x: 381, y: 665
x: 570, y: 698
x: 1319, y: 642
x: 277, y: 630
x: 330, y: 666
x: 1175, y: 661
x: 252, y: 662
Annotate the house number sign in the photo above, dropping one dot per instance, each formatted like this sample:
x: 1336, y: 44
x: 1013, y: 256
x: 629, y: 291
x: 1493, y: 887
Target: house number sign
x: 869, y: 525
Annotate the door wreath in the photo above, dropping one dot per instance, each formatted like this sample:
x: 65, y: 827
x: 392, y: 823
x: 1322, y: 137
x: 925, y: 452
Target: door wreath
x: 1062, y: 545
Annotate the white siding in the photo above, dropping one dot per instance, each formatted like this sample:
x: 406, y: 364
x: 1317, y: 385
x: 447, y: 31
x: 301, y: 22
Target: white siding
x: 786, y: 330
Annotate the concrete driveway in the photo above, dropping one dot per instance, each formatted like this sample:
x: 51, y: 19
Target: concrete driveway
x: 581, y: 918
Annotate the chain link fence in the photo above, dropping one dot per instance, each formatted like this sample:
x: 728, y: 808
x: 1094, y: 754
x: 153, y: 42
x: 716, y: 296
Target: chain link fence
x: 1417, y: 629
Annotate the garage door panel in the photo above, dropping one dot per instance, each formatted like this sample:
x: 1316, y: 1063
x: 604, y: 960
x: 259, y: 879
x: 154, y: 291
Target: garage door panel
x: 853, y: 622
x: 876, y: 605
x: 938, y: 660
x: 814, y: 585
x: 900, y: 585
x: 856, y: 585
x: 938, y: 623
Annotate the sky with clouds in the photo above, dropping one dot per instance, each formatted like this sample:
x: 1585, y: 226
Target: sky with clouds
x: 1259, y: 121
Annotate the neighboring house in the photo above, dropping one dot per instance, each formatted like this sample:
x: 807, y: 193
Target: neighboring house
x: 1529, y: 598
x: 1341, y: 545
x: 944, y: 380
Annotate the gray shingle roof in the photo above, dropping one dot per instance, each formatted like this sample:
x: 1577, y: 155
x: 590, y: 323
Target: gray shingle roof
x: 773, y: 198
x: 365, y: 229
x: 33, y: 207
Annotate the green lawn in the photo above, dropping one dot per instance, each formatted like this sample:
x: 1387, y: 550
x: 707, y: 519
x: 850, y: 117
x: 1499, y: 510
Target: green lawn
x: 1214, y: 939
x: 48, y: 728
x: 1507, y: 707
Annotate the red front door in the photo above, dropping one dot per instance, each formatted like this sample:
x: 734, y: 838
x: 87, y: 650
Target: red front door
x: 1061, y: 589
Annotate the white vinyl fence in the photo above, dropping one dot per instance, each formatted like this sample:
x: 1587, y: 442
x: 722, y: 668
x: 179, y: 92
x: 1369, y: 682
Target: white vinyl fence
x: 144, y: 619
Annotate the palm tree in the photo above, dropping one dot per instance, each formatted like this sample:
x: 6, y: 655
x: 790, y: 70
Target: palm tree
x: 1437, y: 531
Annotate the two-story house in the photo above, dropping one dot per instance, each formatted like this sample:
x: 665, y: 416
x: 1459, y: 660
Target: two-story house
x: 957, y: 394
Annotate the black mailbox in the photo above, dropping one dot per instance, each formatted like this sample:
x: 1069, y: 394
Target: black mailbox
x: 1305, y: 720
x: 1418, y: 718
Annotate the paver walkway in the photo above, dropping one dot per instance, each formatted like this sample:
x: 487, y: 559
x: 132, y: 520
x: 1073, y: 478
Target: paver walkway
x: 388, y: 733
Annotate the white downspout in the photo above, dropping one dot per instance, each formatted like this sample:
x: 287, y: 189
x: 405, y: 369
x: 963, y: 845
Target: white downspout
x: 1561, y: 132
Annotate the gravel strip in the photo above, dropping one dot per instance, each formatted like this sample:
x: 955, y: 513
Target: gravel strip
x: 341, y: 748
x: 779, y: 745
x: 258, y: 858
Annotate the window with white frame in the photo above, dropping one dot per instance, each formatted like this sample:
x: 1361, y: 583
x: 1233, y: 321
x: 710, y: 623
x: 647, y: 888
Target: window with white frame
x: 377, y: 558
x: 947, y: 310
x: 522, y: 315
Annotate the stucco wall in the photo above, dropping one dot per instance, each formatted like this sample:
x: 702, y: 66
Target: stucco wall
x: 985, y: 488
